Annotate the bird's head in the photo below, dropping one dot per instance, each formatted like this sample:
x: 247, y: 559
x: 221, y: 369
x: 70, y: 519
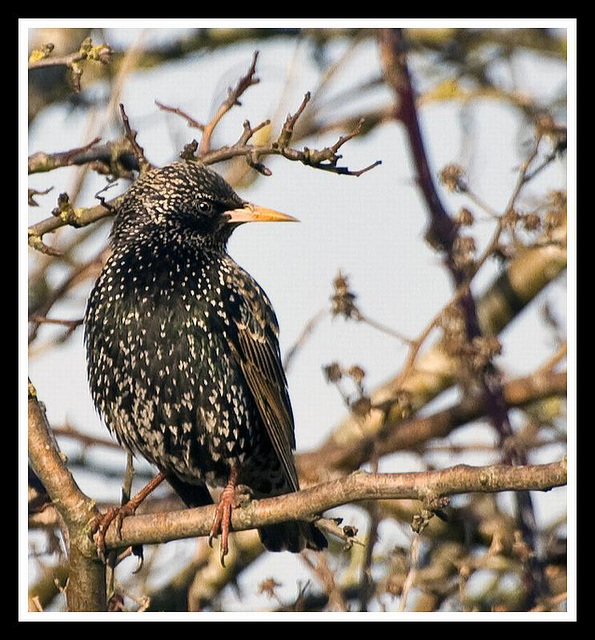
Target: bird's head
x: 190, y: 198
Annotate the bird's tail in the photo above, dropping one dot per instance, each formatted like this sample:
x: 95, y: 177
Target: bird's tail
x: 292, y: 536
x: 193, y: 495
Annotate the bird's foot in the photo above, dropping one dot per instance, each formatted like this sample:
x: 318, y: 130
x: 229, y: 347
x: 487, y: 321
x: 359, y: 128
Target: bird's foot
x: 101, y: 523
x: 222, y: 520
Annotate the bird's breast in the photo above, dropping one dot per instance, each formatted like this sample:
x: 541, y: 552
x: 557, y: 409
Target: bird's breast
x: 160, y: 368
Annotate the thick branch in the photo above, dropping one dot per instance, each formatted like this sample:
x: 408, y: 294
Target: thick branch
x: 47, y: 462
x: 86, y: 584
x: 427, y: 487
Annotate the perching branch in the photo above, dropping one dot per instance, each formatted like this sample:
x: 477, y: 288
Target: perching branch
x: 428, y: 487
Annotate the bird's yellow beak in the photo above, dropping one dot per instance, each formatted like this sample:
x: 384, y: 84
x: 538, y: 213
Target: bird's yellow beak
x: 253, y: 213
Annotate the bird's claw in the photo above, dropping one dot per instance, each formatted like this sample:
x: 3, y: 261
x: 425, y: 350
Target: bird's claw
x: 222, y: 526
x: 97, y: 530
x: 222, y: 519
x: 100, y: 524
x: 137, y: 551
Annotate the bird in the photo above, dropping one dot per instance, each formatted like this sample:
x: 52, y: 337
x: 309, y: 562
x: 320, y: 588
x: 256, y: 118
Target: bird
x: 182, y: 350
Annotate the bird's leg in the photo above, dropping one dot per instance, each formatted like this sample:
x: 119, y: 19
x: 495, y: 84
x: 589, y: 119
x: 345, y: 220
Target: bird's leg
x: 100, y: 524
x: 222, y: 520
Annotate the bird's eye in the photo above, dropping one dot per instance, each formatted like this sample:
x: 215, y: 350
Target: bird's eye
x: 204, y: 206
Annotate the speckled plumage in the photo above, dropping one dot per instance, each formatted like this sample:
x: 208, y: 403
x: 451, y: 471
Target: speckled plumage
x: 182, y: 347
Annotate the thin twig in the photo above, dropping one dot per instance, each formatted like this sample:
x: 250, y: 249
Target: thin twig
x: 412, y: 573
x: 143, y: 164
x: 232, y: 100
x: 307, y: 331
x: 326, y: 577
x: 192, y: 123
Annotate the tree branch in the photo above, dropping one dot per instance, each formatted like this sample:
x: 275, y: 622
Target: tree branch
x: 232, y: 100
x: 414, y: 432
x: 80, y: 218
x: 325, y: 159
x: 143, y: 164
x: 128, y: 153
x: 434, y: 371
x: 41, y: 57
x: 428, y: 487
x: 85, y: 590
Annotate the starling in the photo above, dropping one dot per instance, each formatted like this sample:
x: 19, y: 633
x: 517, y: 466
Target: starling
x: 182, y: 349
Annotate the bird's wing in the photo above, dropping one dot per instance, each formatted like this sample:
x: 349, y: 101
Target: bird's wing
x: 256, y: 349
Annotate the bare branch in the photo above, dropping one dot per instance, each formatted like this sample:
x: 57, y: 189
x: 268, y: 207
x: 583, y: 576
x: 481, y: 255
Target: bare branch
x: 192, y: 123
x: 143, y: 164
x: 412, y: 433
x: 40, y: 161
x: 86, y: 584
x: 87, y: 51
x: 427, y: 487
x: 325, y: 159
x: 232, y: 100
x: 83, y: 217
x: 113, y: 157
x: 302, y: 338
x: 284, y: 137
